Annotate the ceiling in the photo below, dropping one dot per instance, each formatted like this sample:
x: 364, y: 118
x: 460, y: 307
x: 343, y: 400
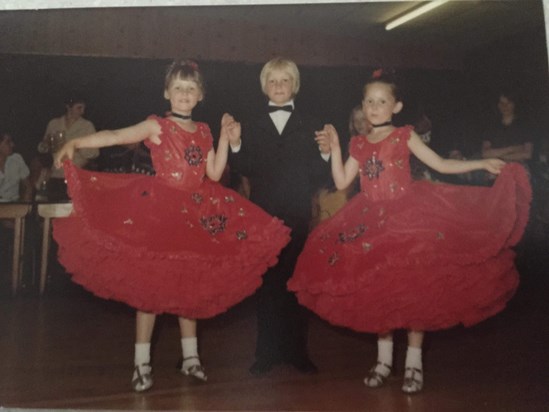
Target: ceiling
x: 463, y: 25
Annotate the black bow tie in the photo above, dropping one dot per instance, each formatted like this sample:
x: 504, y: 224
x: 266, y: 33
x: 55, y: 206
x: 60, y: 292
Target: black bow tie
x: 288, y: 108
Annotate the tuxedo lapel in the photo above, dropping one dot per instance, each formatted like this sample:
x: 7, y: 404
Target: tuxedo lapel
x: 294, y: 123
x: 266, y: 124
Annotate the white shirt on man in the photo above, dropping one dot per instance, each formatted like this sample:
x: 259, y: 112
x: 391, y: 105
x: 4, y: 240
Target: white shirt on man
x: 81, y: 127
x: 14, y: 171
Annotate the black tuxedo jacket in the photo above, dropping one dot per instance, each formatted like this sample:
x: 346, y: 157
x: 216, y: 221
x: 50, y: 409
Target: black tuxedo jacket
x: 284, y: 170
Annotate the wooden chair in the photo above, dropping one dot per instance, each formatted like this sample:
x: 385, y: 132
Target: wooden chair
x: 49, y: 211
x: 17, y: 212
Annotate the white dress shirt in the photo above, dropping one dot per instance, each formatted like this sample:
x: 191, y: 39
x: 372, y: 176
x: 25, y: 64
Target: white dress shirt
x: 280, y: 118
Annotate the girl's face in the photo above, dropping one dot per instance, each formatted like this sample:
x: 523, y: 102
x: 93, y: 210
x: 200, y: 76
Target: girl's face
x: 183, y: 94
x: 279, y: 87
x: 379, y: 103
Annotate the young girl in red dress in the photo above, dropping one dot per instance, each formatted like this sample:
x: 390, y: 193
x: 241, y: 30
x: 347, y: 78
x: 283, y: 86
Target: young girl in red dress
x: 410, y: 254
x: 177, y: 242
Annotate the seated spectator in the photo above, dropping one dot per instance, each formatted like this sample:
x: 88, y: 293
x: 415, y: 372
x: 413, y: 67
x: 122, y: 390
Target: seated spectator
x: 508, y: 138
x: 132, y: 158
x: 14, y: 174
x: 14, y: 183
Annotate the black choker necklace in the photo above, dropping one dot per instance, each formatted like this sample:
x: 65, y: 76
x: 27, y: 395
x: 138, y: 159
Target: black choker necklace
x: 387, y: 123
x: 182, y: 116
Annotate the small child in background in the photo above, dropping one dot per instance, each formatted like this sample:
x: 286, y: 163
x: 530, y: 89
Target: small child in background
x: 329, y: 200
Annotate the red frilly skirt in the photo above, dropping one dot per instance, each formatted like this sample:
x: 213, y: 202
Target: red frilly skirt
x: 437, y: 257
x: 193, y: 253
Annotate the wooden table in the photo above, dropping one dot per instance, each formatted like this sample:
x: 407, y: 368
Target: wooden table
x: 17, y: 212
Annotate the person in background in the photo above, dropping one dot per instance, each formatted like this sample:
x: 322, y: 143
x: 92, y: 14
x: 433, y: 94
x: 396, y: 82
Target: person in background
x: 358, y: 123
x: 423, y: 128
x: 15, y: 184
x: 329, y: 200
x: 132, y: 158
x: 509, y: 138
x: 60, y: 130
x: 285, y: 167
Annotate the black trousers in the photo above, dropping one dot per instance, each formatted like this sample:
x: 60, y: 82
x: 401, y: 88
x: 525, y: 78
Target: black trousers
x: 282, y: 325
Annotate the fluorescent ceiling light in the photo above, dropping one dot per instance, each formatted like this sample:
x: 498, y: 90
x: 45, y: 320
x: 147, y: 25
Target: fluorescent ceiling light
x: 414, y: 13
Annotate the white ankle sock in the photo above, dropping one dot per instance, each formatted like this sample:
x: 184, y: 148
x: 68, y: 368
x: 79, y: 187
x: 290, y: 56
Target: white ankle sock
x: 385, y: 352
x: 413, y: 358
x: 189, y: 347
x: 142, y: 353
x: 384, y: 356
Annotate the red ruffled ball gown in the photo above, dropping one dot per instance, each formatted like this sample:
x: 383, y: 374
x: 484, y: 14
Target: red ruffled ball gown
x: 413, y: 254
x: 176, y: 242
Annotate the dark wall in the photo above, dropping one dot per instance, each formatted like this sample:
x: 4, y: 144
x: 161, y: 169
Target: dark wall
x: 122, y: 91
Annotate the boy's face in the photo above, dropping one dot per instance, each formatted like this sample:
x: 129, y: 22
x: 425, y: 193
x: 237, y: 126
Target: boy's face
x: 279, y: 87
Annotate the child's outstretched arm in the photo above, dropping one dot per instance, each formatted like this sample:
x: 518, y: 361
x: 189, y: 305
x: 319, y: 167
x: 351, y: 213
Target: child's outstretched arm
x: 136, y: 133
x: 342, y: 174
x: 450, y: 166
x: 230, y: 131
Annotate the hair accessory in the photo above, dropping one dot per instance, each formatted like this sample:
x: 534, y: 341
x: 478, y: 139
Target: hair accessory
x: 192, y: 64
x: 377, y: 73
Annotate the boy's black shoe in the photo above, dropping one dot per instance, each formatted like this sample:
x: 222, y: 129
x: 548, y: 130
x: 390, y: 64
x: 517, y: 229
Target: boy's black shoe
x: 304, y: 365
x: 261, y: 366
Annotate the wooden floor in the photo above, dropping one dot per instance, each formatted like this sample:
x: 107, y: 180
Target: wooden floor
x: 70, y: 350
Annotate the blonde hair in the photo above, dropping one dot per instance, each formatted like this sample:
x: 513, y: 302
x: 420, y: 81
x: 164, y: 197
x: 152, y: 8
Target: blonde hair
x: 282, y: 64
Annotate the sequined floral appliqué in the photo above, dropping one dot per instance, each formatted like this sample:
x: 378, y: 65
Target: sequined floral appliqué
x: 353, y: 234
x: 214, y: 224
x: 193, y: 155
x: 373, y: 167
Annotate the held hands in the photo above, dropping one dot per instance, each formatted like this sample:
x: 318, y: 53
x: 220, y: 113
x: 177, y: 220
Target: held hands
x: 493, y: 165
x: 327, y: 139
x: 230, y: 129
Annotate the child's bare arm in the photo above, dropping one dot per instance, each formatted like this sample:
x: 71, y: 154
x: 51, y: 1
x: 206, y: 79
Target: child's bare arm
x: 216, y: 162
x: 450, y: 166
x: 343, y: 174
x: 105, y: 138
